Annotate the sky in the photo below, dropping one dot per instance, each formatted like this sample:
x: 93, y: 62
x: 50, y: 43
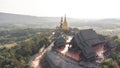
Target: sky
x: 82, y: 9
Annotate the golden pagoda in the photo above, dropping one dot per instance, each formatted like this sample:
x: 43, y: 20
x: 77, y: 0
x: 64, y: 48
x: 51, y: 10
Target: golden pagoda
x: 63, y: 24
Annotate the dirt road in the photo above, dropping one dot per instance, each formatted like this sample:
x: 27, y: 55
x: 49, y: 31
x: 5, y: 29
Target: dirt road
x: 36, y: 61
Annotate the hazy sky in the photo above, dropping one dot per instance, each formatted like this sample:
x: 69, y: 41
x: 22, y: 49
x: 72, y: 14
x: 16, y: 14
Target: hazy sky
x: 83, y: 9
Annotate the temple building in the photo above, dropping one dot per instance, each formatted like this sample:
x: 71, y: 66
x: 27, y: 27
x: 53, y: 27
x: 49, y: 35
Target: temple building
x: 74, y: 48
x: 63, y: 23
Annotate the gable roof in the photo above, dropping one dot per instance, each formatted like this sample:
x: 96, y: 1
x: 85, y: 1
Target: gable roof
x: 85, y: 39
x: 89, y: 37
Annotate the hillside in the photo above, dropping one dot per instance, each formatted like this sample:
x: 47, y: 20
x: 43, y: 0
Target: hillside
x: 19, y: 45
x: 13, y: 21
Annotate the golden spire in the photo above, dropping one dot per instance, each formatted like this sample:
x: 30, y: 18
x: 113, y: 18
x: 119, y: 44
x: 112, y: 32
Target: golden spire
x: 64, y: 24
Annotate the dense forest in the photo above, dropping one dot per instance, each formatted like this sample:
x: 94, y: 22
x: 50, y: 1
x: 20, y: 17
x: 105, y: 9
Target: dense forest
x: 19, y: 55
x: 114, y: 59
x: 10, y: 36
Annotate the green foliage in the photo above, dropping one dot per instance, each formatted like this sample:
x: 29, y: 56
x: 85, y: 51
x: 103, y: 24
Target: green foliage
x: 20, y: 34
x: 114, y: 61
x: 19, y: 55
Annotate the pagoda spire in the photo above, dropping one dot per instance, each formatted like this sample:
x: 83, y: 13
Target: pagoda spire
x: 65, y: 18
x: 61, y: 19
x: 61, y: 22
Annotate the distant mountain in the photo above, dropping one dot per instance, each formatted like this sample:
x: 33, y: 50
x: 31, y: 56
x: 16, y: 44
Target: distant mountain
x: 13, y: 21
x: 26, y: 21
x: 14, y: 18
